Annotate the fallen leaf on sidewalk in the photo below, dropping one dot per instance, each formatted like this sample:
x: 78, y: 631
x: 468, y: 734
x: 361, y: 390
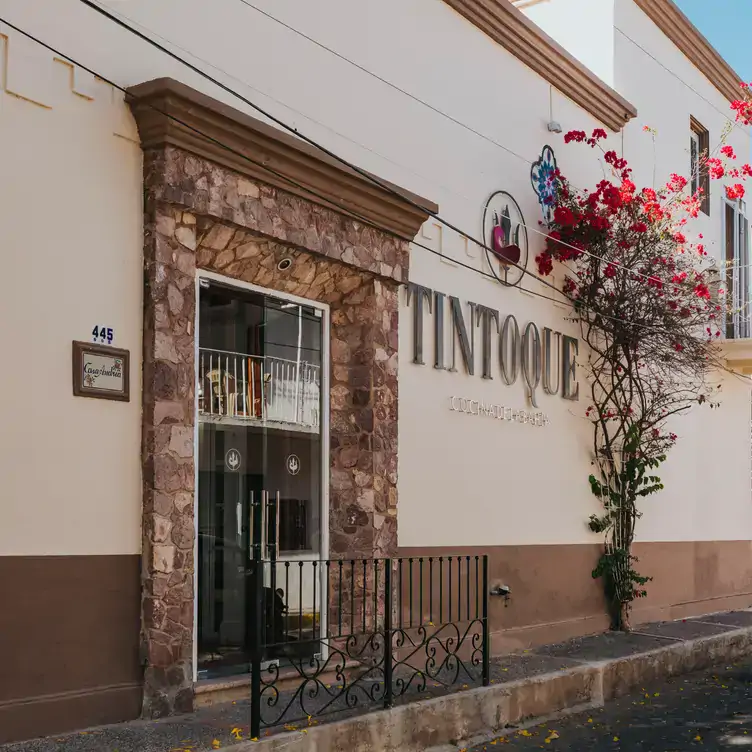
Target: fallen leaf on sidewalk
x: 236, y: 732
x: 216, y: 744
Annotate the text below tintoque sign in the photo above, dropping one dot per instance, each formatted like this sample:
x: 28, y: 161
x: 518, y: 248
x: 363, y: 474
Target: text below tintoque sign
x: 499, y: 412
x: 527, y: 351
x: 100, y: 371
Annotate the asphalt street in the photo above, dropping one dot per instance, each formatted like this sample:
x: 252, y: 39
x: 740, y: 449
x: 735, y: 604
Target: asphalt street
x: 706, y: 711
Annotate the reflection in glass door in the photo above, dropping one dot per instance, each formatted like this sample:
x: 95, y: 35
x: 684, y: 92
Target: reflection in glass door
x: 259, y: 461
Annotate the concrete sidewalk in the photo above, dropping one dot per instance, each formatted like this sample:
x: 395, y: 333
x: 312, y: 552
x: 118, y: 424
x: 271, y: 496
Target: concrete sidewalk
x: 579, y: 674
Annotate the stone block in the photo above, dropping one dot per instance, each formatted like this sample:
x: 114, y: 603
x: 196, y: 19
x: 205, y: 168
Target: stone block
x: 168, y: 411
x: 164, y: 347
x: 186, y: 236
x: 165, y: 225
x: 163, y: 558
x: 181, y: 441
x: 162, y: 528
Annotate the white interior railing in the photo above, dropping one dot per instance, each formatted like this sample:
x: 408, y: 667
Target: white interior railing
x: 739, y: 325
x: 739, y: 322
x: 236, y: 385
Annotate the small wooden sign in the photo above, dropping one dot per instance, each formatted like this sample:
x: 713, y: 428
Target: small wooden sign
x: 101, y: 371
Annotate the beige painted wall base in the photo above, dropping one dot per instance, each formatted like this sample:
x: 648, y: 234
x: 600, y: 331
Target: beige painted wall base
x: 554, y: 597
x: 522, y: 638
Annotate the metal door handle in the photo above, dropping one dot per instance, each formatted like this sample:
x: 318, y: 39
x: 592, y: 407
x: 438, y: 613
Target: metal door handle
x: 276, y: 528
x: 264, y: 529
x: 251, y: 507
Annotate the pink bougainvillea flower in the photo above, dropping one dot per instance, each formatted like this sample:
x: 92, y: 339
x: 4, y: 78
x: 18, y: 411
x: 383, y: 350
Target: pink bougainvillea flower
x: 735, y: 191
x: 677, y: 183
x: 716, y: 170
x: 576, y: 136
x: 702, y: 291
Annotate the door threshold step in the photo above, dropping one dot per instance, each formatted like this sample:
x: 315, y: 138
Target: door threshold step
x: 235, y: 688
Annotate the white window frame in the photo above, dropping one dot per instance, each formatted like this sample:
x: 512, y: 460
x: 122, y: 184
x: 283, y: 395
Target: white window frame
x: 694, y: 160
x: 323, y: 553
x: 737, y: 280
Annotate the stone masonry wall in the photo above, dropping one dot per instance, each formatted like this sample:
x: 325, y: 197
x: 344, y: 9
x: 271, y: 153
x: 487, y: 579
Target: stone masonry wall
x: 201, y: 216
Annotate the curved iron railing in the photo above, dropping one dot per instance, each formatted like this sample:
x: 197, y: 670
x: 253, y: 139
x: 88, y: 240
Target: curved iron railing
x: 350, y: 635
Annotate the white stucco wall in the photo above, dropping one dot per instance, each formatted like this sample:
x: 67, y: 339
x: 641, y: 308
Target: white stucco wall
x: 71, y: 246
x: 708, y: 495
x: 462, y: 480
x: 707, y: 476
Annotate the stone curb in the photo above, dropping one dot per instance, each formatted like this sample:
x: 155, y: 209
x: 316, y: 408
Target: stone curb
x: 481, y: 714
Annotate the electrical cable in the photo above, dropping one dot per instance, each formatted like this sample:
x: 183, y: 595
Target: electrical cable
x: 120, y: 22
x: 431, y: 107
x: 294, y: 131
x: 311, y: 192
x: 681, y: 80
x: 312, y: 142
x: 277, y: 174
x: 415, y: 98
x: 385, y: 81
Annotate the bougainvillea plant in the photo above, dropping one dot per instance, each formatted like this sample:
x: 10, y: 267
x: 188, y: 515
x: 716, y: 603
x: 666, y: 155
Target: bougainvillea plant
x: 650, y: 305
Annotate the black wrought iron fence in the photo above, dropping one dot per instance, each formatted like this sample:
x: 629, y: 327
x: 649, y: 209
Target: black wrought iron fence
x: 337, y: 636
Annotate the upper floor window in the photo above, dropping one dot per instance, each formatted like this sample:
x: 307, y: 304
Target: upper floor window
x: 737, y: 268
x: 699, y: 143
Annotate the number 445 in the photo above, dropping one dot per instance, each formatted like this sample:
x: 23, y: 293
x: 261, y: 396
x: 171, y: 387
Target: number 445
x: 102, y: 334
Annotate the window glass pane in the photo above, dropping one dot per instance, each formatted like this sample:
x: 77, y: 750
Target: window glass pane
x: 694, y: 163
x: 730, y: 258
x: 259, y: 417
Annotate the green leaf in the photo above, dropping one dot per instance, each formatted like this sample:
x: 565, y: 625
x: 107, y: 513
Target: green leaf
x: 599, y: 524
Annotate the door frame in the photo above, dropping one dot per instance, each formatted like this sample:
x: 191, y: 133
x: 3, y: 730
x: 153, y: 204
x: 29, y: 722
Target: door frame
x: 324, y: 420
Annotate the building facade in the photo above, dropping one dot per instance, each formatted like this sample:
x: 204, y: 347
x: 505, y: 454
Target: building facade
x: 292, y: 331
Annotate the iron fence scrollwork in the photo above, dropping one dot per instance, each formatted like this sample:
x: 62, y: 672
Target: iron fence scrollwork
x: 345, y: 635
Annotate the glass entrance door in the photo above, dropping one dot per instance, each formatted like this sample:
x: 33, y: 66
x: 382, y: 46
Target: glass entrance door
x: 259, y: 463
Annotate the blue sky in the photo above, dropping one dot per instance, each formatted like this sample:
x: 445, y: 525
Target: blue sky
x: 727, y: 24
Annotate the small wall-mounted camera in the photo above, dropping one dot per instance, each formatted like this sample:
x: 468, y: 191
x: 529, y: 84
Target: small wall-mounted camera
x: 555, y: 127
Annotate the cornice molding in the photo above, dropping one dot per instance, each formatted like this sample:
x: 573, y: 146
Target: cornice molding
x: 680, y: 30
x: 169, y: 113
x: 510, y: 28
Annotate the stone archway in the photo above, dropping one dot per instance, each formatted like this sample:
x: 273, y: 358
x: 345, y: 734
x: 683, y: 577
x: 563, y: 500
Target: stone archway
x: 201, y: 214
